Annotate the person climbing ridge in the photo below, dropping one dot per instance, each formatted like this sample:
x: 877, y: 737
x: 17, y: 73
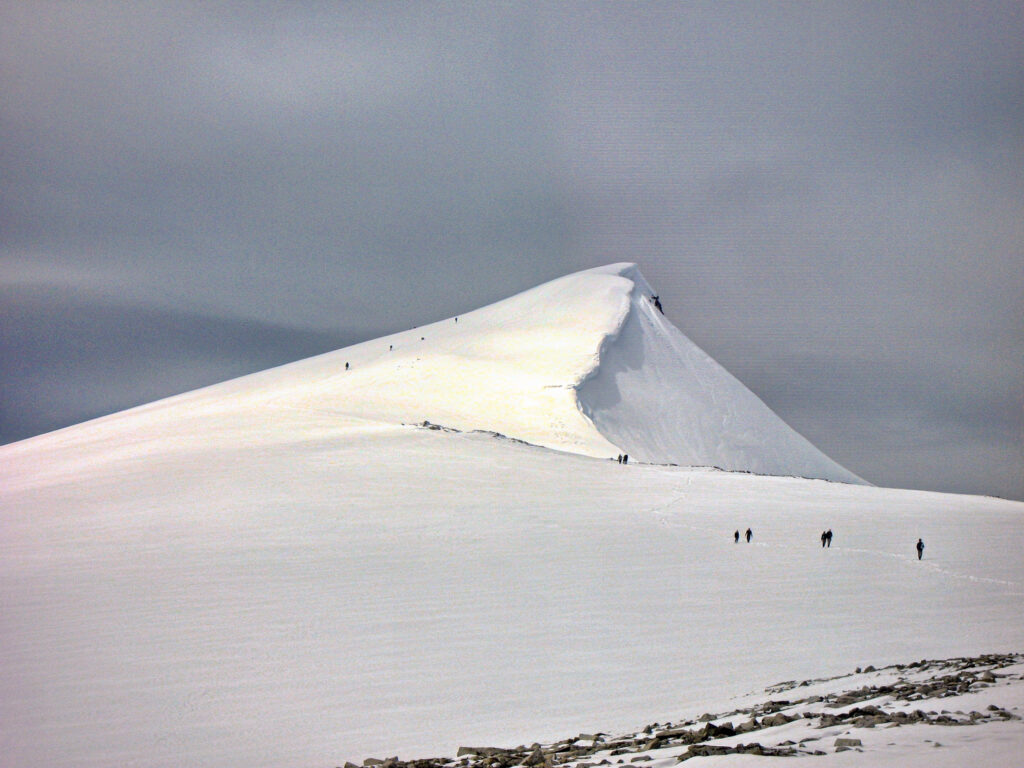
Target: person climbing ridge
x: 736, y: 537
x: 920, y: 548
x: 828, y: 538
x: 750, y: 535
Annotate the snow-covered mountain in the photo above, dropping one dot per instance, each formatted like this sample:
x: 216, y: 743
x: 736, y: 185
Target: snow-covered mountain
x: 583, y: 364
x: 284, y: 570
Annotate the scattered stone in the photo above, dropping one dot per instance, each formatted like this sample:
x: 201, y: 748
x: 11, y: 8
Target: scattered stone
x: 865, y: 707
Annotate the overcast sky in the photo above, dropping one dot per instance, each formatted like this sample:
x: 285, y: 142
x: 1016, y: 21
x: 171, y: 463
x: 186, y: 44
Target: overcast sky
x: 828, y: 197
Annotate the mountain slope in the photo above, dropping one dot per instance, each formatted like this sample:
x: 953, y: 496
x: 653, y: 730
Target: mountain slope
x: 282, y: 571
x: 582, y: 364
x: 662, y: 399
x: 403, y: 591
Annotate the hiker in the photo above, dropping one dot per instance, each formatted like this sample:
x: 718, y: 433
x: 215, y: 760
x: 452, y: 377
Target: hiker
x: 625, y: 458
x: 920, y: 548
x: 750, y: 535
x: 346, y: 366
x: 736, y: 537
x: 828, y: 538
x: 619, y: 459
x: 824, y: 536
x: 657, y: 304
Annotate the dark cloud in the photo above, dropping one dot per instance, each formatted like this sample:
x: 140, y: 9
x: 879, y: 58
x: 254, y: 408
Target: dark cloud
x: 66, y: 357
x: 825, y: 191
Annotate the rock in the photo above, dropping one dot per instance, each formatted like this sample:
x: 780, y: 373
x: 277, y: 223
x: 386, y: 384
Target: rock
x: 673, y: 733
x: 841, y: 742
x: 747, y: 727
x: 777, y: 719
x: 711, y: 731
x: 536, y: 758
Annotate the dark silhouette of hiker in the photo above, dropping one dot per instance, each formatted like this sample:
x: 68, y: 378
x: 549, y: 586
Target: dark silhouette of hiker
x: 828, y: 538
x: 824, y: 536
x: 736, y: 537
x: 920, y: 549
x: 346, y: 366
x: 625, y: 458
x: 749, y: 535
x: 619, y: 459
x: 391, y: 347
x: 657, y: 304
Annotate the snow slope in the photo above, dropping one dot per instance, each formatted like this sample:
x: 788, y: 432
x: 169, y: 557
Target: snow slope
x: 403, y: 591
x: 583, y: 364
x: 277, y: 571
x: 662, y: 399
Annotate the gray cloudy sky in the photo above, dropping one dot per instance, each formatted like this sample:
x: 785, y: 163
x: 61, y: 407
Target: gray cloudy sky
x: 828, y: 196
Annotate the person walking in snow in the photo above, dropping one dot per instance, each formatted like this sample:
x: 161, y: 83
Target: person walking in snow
x: 824, y: 535
x: 828, y: 538
x: 625, y: 458
x: 736, y: 537
x: 750, y: 535
x: 920, y: 549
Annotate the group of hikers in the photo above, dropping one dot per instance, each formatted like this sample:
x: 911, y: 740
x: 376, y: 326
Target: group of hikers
x: 623, y: 458
x: 826, y: 540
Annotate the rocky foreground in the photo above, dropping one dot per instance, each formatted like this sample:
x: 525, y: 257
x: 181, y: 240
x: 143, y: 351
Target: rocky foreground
x: 855, y: 712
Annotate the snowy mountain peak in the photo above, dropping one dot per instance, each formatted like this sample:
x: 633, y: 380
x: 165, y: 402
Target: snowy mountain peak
x: 662, y: 399
x: 585, y: 364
